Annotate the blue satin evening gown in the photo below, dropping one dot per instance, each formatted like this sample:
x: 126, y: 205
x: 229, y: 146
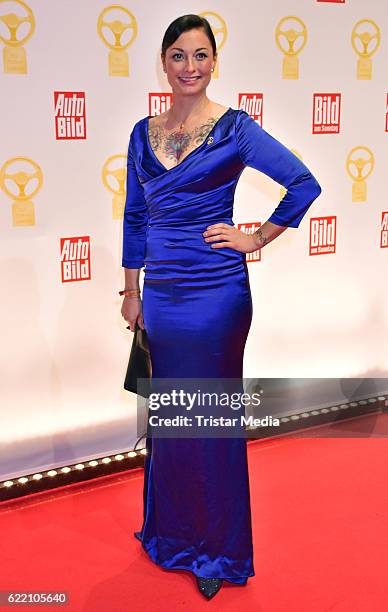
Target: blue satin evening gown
x: 197, y: 311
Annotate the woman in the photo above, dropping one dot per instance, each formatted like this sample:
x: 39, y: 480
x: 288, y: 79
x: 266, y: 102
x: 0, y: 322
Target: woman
x: 183, y: 167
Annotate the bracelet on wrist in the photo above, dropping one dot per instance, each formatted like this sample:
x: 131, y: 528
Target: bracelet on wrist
x: 130, y: 292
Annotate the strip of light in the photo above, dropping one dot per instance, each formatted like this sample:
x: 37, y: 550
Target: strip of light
x: 66, y: 469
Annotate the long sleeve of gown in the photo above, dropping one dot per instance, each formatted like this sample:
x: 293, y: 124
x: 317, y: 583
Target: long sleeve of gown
x: 135, y: 218
x: 261, y: 151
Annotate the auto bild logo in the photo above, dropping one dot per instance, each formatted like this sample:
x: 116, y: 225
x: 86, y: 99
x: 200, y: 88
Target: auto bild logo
x: 384, y: 230
x: 326, y: 113
x: 75, y: 259
x: 70, y: 119
x: 323, y: 235
x: 252, y: 103
x: 158, y: 103
x: 250, y: 228
x: 333, y: 1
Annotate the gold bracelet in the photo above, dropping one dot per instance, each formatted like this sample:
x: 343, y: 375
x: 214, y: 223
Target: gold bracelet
x: 130, y: 292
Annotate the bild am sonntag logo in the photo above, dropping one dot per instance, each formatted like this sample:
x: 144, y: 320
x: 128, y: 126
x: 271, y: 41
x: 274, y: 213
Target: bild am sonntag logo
x: 323, y: 232
x: 326, y: 113
x: 158, y: 103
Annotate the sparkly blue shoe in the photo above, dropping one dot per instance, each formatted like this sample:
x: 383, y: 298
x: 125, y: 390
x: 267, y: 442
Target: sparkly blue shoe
x: 209, y: 586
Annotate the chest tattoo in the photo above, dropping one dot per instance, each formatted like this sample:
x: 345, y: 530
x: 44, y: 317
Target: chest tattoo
x: 176, y: 144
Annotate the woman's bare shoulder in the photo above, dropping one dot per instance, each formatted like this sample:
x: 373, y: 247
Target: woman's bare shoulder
x: 219, y: 109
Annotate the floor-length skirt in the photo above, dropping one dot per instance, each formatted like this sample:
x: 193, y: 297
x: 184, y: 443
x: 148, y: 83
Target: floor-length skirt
x: 197, y: 513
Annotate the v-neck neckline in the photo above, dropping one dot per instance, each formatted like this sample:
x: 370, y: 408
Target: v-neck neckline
x: 191, y: 152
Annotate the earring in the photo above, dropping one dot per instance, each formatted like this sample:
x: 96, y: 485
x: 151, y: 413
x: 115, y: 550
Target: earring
x: 212, y: 69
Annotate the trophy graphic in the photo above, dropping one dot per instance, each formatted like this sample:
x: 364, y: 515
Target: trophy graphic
x: 365, y: 37
x: 114, y: 180
x: 14, y: 54
x: 218, y: 28
x: 283, y: 190
x: 358, y: 164
x: 23, y: 208
x: 114, y: 39
x: 291, y: 61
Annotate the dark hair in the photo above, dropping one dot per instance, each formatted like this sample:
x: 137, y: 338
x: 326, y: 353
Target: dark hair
x: 184, y: 24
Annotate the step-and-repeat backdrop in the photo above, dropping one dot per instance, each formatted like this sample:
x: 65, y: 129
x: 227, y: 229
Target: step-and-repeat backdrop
x: 75, y: 77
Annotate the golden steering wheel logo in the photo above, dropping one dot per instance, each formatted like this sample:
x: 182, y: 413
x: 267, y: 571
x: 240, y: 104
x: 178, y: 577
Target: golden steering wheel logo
x: 114, y: 180
x: 25, y: 184
x: 218, y: 26
x: 365, y: 39
x: 113, y: 31
x: 295, y: 37
x: 14, y: 54
x: 358, y: 159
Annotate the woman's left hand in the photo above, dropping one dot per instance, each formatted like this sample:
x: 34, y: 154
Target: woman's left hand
x: 231, y: 237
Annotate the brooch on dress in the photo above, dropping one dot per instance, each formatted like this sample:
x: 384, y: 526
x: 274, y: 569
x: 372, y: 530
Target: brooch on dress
x: 210, y: 140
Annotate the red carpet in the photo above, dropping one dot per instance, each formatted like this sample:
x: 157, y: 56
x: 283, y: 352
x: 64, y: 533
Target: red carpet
x: 320, y: 526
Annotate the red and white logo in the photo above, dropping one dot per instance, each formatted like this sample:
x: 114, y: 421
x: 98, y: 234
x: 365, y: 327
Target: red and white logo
x: 250, y: 228
x: 384, y: 230
x: 326, y: 113
x: 252, y: 103
x: 70, y: 115
x: 75, y: 259
x: 336, y: 1
x: 159, y: 103
x: 323, y: 235
x: 386, y: 114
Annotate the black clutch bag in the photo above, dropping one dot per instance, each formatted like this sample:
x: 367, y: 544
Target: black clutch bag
x: 139, y: 364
